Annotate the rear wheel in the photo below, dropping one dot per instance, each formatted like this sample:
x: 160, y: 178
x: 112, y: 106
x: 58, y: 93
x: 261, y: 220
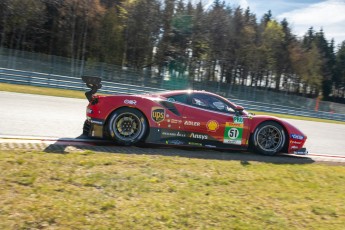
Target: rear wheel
x: 127, y: 126
x: 268, y: 138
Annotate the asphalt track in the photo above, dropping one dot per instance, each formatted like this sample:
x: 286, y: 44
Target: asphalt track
x: 38, y: 116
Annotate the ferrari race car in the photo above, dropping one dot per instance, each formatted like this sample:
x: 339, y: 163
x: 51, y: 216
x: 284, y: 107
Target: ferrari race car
x: 186, y: 118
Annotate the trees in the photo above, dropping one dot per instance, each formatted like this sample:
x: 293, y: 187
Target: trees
x: 339, y: 79
x: 20, y: 23
x: 141, y: 32
x: 325, y: 52
x: 218, y: 38
x: 273, y: 37
x: 109, y: 43
x: 164, y: 50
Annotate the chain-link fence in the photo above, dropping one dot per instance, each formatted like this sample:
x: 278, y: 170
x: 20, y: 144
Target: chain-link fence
x: 167, y: 78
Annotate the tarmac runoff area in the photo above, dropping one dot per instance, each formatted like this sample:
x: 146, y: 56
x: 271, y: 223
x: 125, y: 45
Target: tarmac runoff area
x: 67, y: 145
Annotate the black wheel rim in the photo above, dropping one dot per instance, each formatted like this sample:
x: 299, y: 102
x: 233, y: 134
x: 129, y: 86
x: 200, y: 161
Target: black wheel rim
x: 127, y: 126
x: 269, y: 138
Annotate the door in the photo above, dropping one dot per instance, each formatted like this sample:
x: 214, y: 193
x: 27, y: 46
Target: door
x: 212, y: 121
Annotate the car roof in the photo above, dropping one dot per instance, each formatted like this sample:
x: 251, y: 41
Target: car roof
x: 187, y: 91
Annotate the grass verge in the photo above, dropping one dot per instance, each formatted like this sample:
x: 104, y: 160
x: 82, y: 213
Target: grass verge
x: 41, y: 90
x: 79, y: 94
x: 119, y: 191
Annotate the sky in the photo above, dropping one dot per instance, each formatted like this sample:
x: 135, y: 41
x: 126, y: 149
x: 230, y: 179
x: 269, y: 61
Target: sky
x: 328, y: 15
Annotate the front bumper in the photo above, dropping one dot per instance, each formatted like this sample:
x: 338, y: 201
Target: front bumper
x: 93, y: 127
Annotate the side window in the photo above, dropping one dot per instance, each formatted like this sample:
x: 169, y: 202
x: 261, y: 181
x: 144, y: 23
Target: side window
x: 211, y: 103
x: 182, y: 98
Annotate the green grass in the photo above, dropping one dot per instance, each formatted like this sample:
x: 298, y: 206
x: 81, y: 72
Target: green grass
x: 41, y: 90
x: 79, y: 94
x: 87, y: 190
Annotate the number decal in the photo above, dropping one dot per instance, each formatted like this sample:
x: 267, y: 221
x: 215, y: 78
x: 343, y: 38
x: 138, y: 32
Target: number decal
x: 238, y: 120
x: 233, y: 133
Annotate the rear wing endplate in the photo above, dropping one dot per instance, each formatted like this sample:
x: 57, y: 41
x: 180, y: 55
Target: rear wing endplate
x: 94, y: 83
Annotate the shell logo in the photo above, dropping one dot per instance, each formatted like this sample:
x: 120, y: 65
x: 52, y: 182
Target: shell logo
x: 212, y: 125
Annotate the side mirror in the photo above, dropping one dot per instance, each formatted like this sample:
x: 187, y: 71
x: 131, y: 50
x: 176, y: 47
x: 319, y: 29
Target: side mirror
x: 238, y: 110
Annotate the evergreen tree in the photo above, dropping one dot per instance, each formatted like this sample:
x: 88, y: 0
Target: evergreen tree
x: 339, y: 79
x: 142, y: 31
x: 165, y: 53
x: 109, y: 44
x: 273, y: 39
x: 328, y: 63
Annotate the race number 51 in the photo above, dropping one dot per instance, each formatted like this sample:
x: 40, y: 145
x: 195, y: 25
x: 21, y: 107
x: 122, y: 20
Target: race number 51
x: 233, y: 133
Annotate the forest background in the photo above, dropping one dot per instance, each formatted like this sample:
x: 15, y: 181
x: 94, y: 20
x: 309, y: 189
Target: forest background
x: 223, y: 44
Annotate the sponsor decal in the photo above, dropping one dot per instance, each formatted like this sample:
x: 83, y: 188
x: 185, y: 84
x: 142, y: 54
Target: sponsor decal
x: 173, y: 134
x: 158, y: 114
x: 212, y: 125
x: 295, y: 142
x: 294, y: 147
x: 302, y: 151
x: 96, y: 122
x: 210, y: 146
x: 238, y: 120
x: 191, y: 123
x: 174, y: 121
x: 130, y: 102
x: 234, y: 125
x: 194, y: 143
x: 297, y: 136
x: 174, y: 142
x: 198, y: 136
x: 176, y: 134
x: 233, y: 133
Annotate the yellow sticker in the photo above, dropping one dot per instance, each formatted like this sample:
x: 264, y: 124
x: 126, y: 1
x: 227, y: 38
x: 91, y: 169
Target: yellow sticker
x: 212, y: 125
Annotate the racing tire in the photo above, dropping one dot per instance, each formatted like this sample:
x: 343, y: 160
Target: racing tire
x: 127, y: 126
x: 268, y: 138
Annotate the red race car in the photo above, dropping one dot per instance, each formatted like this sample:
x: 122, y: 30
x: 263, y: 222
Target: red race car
x: 186, y: 118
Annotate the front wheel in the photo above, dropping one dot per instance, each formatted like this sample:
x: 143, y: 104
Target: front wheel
x: 127, y: 126
x: 268, y: 138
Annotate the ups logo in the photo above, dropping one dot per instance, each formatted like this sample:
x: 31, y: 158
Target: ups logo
x: 158, y: 114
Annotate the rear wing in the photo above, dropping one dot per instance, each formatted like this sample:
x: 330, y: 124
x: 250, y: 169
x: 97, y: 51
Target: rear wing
x: 94, y: 83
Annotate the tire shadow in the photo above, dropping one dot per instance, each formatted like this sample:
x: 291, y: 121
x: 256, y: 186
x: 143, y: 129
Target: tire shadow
x: 65, y: 146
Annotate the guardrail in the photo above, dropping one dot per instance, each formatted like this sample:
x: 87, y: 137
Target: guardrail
x: 65, y: 82
x: 273, y: 108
